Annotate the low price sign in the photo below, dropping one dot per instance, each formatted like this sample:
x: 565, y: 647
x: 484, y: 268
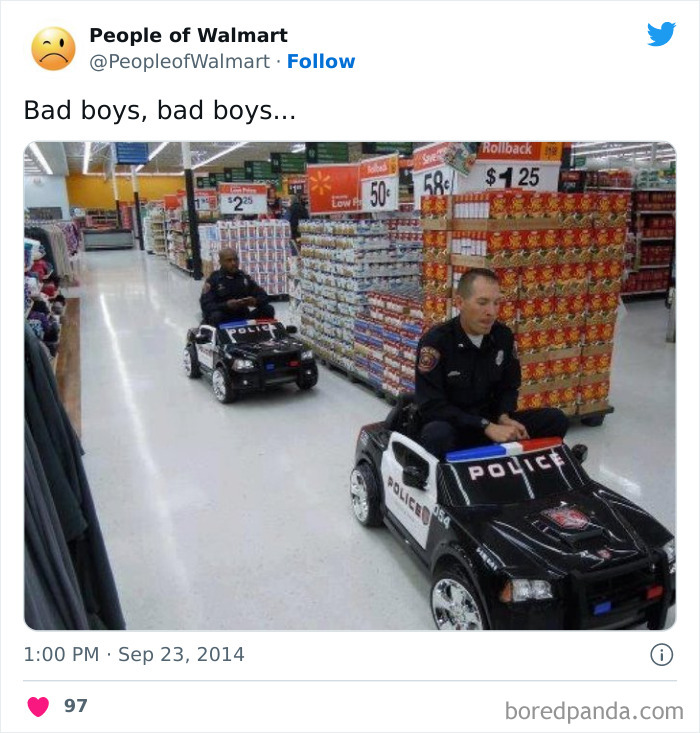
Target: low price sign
x: 334, y: 189
x: 242, y: 198
x: 205, y: 200
x: 379, y: 183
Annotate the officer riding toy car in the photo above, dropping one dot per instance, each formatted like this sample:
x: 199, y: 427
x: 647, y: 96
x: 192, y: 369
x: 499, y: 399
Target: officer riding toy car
x: 248, y: 356
x: 514, y: 535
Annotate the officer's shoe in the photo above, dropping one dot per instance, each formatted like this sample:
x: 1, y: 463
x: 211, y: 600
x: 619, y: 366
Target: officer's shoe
x: 580, y: 452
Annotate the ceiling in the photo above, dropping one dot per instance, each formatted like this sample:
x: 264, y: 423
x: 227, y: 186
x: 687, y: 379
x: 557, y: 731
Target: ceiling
x: 69, y: 157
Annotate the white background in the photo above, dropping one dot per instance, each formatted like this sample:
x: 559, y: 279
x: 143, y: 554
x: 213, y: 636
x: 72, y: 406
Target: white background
x: 424, y: 71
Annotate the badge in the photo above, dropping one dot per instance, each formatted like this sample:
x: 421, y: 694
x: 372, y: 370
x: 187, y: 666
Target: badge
x: 428, y: 359
x: 499, y: 358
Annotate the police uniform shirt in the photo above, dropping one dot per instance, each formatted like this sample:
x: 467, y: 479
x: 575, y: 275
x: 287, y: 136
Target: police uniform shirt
x: 465, y: 384
x: 221, y: 286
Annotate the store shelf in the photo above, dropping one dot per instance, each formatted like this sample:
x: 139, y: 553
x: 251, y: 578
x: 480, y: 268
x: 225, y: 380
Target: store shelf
x: 179, y: 267
x: 611, y: 188
x: 645, y: 292
x: 654, y: 267
x: 663, y: 213
x: 657, y: 239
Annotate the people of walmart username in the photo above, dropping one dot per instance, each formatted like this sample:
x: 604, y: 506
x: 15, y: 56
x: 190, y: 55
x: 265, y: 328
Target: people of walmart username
x: 468, y: 376
x: 229, y: 294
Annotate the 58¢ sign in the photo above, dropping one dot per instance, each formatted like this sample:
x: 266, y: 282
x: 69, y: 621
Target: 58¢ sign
x: 235, y: 198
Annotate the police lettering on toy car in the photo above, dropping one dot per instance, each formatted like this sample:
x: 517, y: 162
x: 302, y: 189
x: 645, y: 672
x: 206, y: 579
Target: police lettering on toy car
x: 422, y: 512
x: 245, y: 330
x: 515, y: 466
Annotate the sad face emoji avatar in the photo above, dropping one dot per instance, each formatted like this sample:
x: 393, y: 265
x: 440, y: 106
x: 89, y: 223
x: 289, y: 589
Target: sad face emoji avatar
x: 53, y: 48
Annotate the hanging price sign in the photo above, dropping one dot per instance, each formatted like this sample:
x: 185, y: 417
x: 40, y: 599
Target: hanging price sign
x: 205, y: 200
x: 379, y: 181
x: 533, y: 166
x: 492, y: 174
x: 431, y: 174
x: 241, y: 198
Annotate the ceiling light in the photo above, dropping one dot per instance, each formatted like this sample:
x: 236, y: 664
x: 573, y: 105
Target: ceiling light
x: 157, y: 150
x: 86, y: 158
x: 612, y: 151
x: 218, y: 155
x: 40, y: 158
x: 299, y: 148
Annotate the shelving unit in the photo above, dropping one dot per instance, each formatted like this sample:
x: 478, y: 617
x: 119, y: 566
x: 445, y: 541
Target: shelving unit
x: 154, y: 229
x: 101, y: 219
x: 653, y: 226
x: 177, y: 237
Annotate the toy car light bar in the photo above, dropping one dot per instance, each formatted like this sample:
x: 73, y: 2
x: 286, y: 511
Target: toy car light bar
x: 499, y: 450
x: 239, y: 324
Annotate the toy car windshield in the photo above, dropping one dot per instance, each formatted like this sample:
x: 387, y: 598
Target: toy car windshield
x: 251, y: 332
x: 512, y: 473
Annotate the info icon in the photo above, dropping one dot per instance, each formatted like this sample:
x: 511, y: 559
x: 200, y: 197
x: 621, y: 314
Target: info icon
x: 53, y: 48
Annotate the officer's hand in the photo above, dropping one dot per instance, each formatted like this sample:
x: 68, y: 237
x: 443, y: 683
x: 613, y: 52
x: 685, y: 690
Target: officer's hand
x: 522, y: 430
x: 233, y: 303
x: 250, y: 301
x: 501, y: 433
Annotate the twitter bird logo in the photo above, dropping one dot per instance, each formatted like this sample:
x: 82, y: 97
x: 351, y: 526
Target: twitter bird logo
x: 661, y: 36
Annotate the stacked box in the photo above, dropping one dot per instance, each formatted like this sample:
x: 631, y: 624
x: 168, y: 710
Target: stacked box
x: 396, y: 319
x: 560, y: 261
x: 262, y: 246
x: 342, y: 261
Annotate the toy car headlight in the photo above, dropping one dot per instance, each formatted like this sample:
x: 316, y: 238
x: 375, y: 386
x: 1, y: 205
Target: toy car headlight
x: 519, y: 590
x: 670, y: 549
x: 307, y: 355
x: 243, y: 365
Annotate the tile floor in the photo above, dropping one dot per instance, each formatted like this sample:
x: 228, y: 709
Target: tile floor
x: 238, y: 516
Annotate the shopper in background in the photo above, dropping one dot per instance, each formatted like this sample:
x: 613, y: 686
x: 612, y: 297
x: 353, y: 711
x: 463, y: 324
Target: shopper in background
x: 468, y: 376
x: 297, y: 211
x: 230, y: 294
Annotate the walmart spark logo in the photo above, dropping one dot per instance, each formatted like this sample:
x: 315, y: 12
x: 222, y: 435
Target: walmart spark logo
x: 660, y: 36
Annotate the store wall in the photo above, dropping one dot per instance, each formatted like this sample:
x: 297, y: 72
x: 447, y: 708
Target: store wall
x: 93, y: 192
x: 46, y: 191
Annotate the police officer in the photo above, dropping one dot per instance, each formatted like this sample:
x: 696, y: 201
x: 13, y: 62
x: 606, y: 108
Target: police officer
x: 468, y: 375
x: 230, y: 294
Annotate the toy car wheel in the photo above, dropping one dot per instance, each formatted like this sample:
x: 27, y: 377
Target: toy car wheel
x: 190, y: 362
x: 455, y: 604
x: 364, y: 493
x: 221, y: 384
x: 307, y: 382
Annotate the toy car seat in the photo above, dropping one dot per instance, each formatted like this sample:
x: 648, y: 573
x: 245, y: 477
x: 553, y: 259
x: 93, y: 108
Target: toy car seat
x: 403, y: 417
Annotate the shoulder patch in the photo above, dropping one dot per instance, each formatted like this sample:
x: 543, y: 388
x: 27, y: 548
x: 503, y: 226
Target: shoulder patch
x: 428, y: 359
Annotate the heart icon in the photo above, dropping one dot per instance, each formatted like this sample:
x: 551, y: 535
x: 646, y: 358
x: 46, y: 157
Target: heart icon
x: 38, y: 705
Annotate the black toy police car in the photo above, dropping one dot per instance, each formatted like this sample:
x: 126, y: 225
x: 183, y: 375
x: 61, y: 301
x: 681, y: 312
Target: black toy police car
x: 248, y: 356
x: 515, y: 536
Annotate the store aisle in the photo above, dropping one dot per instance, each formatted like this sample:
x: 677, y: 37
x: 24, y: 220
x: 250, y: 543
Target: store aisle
x: 237, y: 516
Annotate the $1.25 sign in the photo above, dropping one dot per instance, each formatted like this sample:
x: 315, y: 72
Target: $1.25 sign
x: 242, y: 198
x: 534, y: 176
x: 379, y: 183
